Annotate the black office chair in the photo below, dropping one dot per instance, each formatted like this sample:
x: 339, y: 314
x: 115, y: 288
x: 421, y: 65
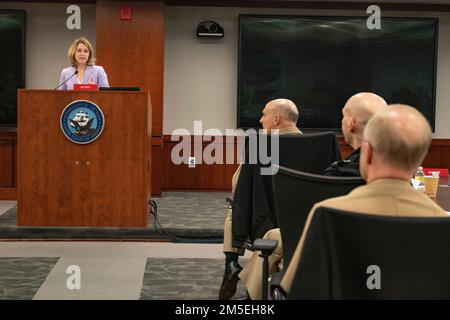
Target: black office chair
x: 253, y: 203
x: 359, y: 256
x: 295, y: 193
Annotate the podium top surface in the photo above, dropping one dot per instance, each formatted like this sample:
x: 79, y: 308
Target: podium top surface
x: 100, y: 92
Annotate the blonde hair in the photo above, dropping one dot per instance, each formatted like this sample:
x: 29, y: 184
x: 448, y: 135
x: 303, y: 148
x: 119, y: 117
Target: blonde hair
x: 400, y: 134
x: 73, y: 49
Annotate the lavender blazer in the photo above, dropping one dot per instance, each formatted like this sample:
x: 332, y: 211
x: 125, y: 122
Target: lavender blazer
x: 93, y: 74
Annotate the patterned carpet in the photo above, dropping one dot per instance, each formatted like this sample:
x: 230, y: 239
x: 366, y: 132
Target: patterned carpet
x: 164, y: 278
x: 193, y: 210
x: 180, y: 213
x: 21, y: 278
x: 188, y: 215
x: 184, y: 279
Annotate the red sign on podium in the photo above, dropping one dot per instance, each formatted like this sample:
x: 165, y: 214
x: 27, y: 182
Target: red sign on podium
x: 89, y: 86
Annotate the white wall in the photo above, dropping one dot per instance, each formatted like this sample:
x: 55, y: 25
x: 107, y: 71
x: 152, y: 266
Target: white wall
x: 48, y: 39
x: 200, y: 76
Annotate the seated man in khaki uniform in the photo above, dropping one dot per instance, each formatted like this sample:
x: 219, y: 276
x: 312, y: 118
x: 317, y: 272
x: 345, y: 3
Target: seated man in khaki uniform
x: 356, y: 113
x: 395, y: 143
x: 281, y: 114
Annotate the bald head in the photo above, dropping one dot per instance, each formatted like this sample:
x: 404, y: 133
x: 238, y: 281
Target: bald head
x: 400, y: 136
x: 356, y: 113
x: 278, y: 114
x: 362, y: 106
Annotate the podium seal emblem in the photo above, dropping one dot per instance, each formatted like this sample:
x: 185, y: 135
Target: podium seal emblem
x: 82, y: 121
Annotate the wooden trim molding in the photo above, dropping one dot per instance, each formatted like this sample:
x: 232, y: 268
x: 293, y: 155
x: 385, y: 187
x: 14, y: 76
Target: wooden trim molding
x: 440, y: 143
x: 8, y: 159
x: 438, y: 155
x: 157, y: 141
x: 8, y: 193
x: 8, y: 135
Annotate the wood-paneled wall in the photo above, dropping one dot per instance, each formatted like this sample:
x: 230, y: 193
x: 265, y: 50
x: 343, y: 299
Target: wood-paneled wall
x: 438, y: 155
x: 217, y: 177
x: 8, y: 164
x: 204, y: 177
x: 132, y: 52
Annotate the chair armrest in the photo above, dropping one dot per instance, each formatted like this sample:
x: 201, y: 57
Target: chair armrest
x: 266, y: 246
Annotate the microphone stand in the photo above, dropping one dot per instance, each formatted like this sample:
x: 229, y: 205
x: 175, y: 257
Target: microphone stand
x: 74, y: 74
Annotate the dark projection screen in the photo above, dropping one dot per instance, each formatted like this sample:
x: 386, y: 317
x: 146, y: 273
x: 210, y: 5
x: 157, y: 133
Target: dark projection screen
x: 12, y: 63
x: 319, y: 62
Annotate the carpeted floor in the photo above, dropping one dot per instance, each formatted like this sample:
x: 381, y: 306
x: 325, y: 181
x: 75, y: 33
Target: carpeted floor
x: 193, y: 210
x: 187, y: 216
x: 179, y: 272
x: 21, y: 278
x: 184, y: 279
x: 162, y: 279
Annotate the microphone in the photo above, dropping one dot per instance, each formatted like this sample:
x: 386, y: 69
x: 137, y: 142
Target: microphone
x: 74, y: 74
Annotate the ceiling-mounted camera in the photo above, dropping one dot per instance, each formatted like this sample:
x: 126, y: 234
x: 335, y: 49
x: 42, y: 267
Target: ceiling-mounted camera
x: 209, y: 29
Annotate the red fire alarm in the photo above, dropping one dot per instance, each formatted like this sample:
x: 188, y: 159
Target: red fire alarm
x: 125, y: 12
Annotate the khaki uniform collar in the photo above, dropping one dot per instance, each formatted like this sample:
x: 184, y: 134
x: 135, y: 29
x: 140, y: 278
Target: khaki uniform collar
x: 289, y: 130
x: 383, y: 186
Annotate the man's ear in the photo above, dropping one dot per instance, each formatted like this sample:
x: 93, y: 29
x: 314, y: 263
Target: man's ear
x: 369, y: 157
x: 352, y: 125
x: 276, y: 119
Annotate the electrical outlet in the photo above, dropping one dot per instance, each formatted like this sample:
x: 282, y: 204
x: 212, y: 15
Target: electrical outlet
x: 191, y: 162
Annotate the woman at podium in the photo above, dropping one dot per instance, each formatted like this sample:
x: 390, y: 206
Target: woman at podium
x: 83, y: 69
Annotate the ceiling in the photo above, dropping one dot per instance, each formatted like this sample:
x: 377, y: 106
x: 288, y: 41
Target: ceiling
x: 271, y: 3
x: 439, y: 5
x: 387, y: 1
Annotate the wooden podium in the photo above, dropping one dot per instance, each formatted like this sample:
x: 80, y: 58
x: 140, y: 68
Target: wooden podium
x: 105, y: 183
